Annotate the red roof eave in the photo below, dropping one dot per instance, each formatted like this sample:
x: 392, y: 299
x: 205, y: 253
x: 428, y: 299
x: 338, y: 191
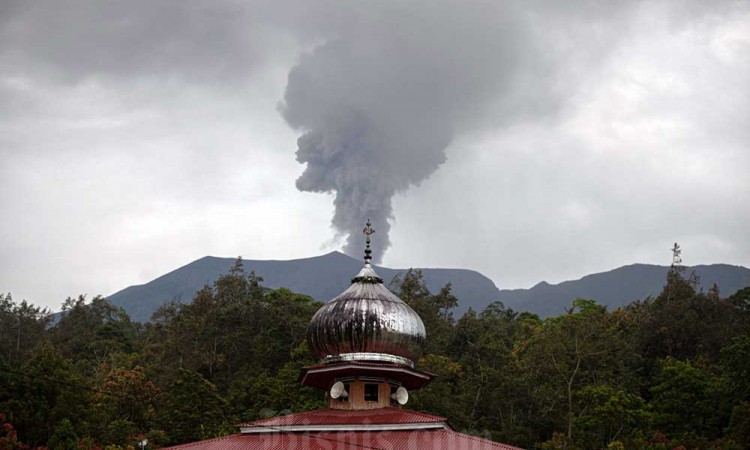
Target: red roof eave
x: 393, y: 440
x: 321, y: 376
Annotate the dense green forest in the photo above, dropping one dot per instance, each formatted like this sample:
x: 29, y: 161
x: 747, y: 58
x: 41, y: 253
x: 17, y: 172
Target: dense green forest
x: 663, y: 373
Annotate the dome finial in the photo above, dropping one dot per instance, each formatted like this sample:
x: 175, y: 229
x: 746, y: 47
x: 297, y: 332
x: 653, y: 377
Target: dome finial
x: 368, y: 231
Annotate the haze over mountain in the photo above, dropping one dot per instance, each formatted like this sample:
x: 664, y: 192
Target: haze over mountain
x: 324, y: 277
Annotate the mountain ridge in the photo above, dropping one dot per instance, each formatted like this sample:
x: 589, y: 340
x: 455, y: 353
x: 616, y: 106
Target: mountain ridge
x: 618, y: 287
x: 325, y: 276
x: 322, y: 277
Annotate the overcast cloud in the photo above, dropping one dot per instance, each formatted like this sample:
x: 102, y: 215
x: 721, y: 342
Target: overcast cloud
x: 529, y: 140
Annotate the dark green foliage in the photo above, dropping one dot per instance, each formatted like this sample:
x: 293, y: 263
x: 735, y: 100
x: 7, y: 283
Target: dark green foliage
x: 608, y: 414
x: 741, y: 298
x: 682, y: 323
x: 42, y: 393
x: 441, y: 395
x: 684, y: 400
x: 21, y: 328
x: 570, y: 353
x: 663, y: 373
x: 192, y: 409
x: 267, y: 394
x: 435, y: 310
x: 91, y: 333
x: 233, y: 326
x: 64, y: 437
x: 739, y: 424
x: 735, y: 362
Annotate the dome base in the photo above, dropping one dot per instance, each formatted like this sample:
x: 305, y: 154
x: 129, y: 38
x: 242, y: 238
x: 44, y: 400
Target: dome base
x: 367, y: 356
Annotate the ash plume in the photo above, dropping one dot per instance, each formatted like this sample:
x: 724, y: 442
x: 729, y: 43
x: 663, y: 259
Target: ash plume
x: 365, y: 162
x: 378, y: 105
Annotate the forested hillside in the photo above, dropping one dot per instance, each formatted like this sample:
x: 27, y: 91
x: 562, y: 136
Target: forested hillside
x: 660, y: 373
x: 321, y: 277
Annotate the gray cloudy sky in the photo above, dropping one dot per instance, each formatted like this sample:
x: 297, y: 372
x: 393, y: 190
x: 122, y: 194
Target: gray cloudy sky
x: 529, y: 140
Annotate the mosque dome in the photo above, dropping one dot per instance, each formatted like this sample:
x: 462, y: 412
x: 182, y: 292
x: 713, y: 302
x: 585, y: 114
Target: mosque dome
x: 366, y: 322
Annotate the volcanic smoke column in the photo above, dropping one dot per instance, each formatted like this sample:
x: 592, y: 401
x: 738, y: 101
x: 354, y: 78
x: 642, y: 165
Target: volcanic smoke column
x: 363, y: 138
x: 378, y: 105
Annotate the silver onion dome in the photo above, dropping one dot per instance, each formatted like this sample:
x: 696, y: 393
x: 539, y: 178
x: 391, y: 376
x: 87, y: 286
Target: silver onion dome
x: 366, y: 322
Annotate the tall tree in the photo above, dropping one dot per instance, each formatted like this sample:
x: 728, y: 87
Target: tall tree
x: 22, y: 327
x: 570, y: 352
x: 92, y: 332
x: 434, y: 310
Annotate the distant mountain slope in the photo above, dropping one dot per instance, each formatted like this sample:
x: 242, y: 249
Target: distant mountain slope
x: 321, y: 277
x: 324, y: 277
x: 619, y: 287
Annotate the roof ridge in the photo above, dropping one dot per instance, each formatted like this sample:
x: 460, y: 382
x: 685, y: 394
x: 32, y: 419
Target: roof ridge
x: 477, y: 438
x: 372, y: 414
x: 203, y: 442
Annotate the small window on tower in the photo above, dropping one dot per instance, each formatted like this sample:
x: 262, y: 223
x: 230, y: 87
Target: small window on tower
x: 371, y: 392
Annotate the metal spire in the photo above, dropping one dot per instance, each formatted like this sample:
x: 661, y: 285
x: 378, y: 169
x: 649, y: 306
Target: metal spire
x: 368, y: 231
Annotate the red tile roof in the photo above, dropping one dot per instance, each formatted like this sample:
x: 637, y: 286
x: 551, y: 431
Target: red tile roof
x: 425, y: 439
x: 439, y: 439
x: 382, y: 429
